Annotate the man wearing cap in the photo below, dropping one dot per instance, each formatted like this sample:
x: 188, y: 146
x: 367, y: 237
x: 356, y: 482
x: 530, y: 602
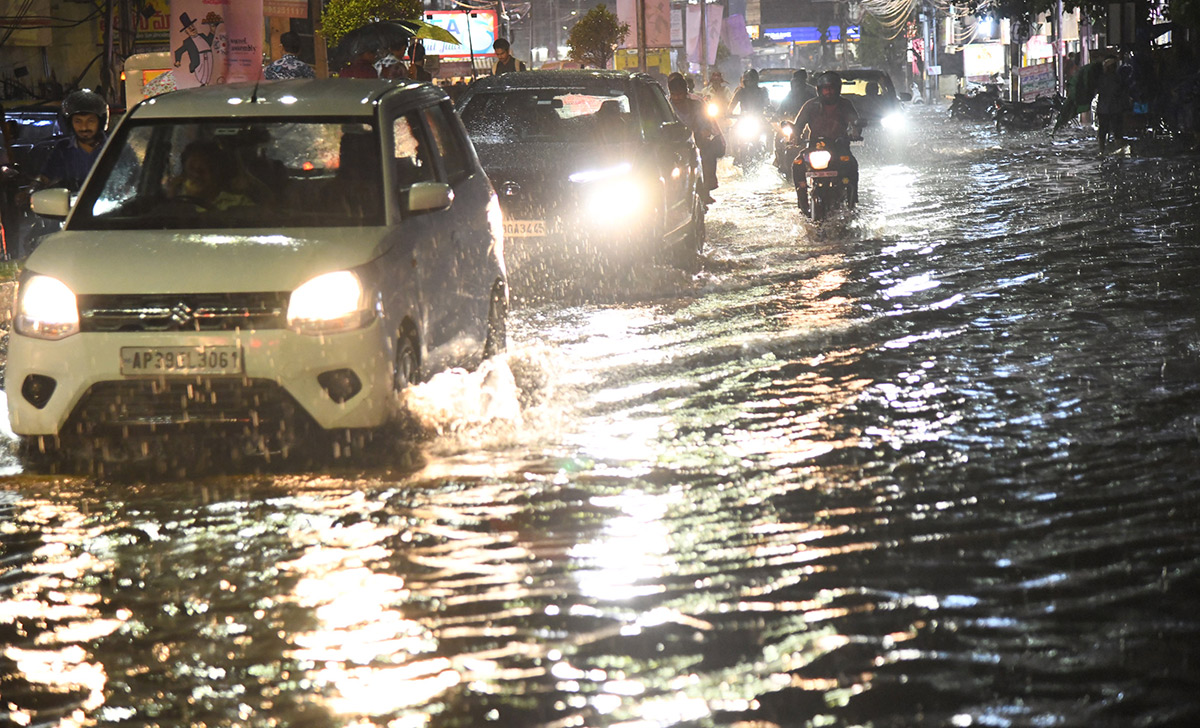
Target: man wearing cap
x: 199, y: 55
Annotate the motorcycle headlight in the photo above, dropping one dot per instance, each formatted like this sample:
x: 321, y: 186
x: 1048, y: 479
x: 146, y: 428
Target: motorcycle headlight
x: 329, y: 303
x: 46, y: 309
x: 712, y: 109
x: 893, y: 121
x: 819, y: 159
x: 748, y: 127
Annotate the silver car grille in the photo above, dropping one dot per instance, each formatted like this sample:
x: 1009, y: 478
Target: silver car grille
x: 183, y: 312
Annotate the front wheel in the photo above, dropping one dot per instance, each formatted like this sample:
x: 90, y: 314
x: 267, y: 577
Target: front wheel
x: 408, y: 360
x: 497, y: 323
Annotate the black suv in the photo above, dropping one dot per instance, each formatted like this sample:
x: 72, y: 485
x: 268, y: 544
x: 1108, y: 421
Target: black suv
x: 587, y: 163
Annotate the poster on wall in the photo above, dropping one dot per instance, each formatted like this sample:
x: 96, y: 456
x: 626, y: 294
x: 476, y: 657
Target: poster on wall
x: 216, y: 41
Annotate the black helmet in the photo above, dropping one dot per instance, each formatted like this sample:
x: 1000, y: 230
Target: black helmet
x: 750, y: 77
x: 829, y: 86
x: 85, y: 102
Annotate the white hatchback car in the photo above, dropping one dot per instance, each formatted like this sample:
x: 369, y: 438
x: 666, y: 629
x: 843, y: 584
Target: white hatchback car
x: 247, y: 254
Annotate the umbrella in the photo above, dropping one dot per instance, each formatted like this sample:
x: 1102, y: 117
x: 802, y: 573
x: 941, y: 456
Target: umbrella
x: 388, y: 34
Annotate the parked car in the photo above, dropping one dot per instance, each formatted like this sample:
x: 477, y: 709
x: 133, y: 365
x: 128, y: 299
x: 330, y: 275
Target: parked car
x: 261, y: 258
x: 874, y: 97
x: 587, y: 163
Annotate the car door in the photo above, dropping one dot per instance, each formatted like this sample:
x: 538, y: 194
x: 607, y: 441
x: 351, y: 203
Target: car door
x: 420, y: 245
x: 471, y: 235
x: 675, y: 156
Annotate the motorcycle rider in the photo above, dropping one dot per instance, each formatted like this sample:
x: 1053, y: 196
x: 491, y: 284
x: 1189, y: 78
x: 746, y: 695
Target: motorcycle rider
x: 797, y: 95
x: 705, y: 131
x: 750, y: 98
x: 832, y: 117
x: 71, y: 159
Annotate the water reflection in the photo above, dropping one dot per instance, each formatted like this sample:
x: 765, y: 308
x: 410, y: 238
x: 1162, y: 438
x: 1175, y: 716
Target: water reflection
x: 936, y: 468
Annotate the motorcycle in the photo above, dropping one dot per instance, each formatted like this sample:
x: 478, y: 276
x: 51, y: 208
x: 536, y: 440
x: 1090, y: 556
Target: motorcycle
x: 830, y: 174
x: 979, y: 106
x: 787, y: 147
x: 749, y: 139
x: 1027, y: 115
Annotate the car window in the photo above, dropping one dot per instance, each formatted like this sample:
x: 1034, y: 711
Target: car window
x: 411, y: 160
x: 450, y: 145
x: 653, y: 107
x: 594, y: 115
x: 219, y: 174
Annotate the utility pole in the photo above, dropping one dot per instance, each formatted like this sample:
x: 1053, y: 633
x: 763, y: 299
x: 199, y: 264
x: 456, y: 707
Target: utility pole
x: 703, y: 39
x: 641, y: 35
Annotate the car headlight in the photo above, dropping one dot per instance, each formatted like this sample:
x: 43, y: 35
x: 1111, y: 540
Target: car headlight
x: 819, y: 159
x: 46, y: 309
x: 329, y: 303
x: 893, y: 121
x: 610, y: 194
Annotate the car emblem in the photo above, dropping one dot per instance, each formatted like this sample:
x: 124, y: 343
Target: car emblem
x: 181, y: 313
x: 510, y: 188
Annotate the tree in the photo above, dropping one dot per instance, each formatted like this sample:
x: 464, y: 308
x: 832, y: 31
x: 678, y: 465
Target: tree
x: 595, y: 37
x: 343, y: 16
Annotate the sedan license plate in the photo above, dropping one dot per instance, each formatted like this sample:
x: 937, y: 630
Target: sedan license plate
x: 826, y: 173
x: 166, y: 360
x: 524, y: 228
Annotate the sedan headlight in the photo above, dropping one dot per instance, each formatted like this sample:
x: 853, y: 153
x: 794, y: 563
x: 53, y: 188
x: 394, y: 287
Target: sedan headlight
x: 893, y: 121
x: 329, y: 303
x: 610, y: 194
x: 46, y: 309
x: 819, y: 159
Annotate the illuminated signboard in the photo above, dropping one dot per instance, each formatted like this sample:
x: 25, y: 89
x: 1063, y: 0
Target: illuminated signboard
x: 483, y: 27
x: 808, y: 34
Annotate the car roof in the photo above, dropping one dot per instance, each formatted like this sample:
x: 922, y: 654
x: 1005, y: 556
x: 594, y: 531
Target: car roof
x: 870, y: 74
x: 553, y: 78
x: 337, y: 97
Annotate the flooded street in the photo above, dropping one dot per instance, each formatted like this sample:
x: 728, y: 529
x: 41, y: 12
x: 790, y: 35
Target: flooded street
x: 938, y: 464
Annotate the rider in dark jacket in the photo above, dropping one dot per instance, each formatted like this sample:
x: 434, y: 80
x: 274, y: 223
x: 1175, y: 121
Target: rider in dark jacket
x: 831, y: 117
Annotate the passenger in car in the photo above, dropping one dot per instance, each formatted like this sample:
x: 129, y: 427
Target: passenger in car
x: 610, y: 126
x: 206, y: 167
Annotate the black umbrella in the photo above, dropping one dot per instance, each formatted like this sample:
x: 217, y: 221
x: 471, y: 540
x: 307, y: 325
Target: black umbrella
x: 386, y: 34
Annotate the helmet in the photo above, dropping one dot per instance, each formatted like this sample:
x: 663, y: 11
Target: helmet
x: 829, y: 87
x: 85, y: 102
x: 750, y: 78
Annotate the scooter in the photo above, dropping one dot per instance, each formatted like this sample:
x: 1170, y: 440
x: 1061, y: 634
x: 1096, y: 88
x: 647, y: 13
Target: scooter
x: 830, y: 175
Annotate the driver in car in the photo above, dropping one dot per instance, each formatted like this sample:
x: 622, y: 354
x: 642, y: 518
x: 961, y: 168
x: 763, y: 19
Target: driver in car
x: 206, y: 166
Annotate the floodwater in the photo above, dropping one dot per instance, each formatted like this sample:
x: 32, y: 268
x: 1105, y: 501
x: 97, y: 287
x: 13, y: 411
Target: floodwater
x: 937, y: 464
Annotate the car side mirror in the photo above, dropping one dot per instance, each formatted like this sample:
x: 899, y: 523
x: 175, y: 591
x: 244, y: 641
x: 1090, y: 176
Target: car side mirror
x: 674, y: 131
x: 53, y: 203
x: 429, y: 196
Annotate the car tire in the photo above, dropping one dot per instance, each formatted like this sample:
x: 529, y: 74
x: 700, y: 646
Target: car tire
x: 497, y: 323
x: 408, y: 360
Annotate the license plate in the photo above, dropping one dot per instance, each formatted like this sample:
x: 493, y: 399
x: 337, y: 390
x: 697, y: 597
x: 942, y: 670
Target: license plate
x: 524, y: 228
x: 826, y: 173
x: 167, y: 360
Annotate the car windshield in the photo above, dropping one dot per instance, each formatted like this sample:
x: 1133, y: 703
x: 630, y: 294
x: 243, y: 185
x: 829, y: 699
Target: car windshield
x: 868, y: 86
x: 558, y: 115
x: 221, y: 174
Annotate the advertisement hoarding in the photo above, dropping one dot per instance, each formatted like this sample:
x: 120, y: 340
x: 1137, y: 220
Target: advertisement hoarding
x: 483, y: 27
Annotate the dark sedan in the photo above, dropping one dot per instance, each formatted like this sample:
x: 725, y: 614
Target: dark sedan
x: 588, y: 165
